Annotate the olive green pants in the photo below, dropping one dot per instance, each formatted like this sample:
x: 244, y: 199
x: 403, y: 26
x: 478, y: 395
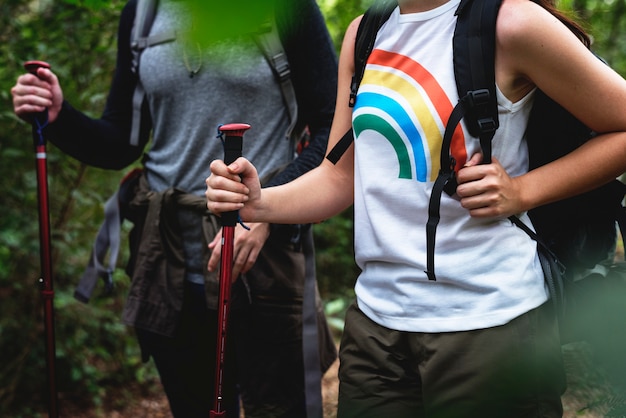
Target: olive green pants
x: 514, y: 370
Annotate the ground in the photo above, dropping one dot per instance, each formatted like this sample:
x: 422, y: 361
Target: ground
x: 588, y: 396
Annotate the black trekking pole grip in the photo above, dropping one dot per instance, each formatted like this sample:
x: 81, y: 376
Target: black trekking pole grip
x: 233, y: 143
x: 39, y: 122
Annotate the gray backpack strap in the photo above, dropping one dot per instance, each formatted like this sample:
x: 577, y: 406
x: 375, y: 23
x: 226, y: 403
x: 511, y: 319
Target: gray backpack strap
x: 140, y: 40
x: 270, y: 44
x: 107, y: 240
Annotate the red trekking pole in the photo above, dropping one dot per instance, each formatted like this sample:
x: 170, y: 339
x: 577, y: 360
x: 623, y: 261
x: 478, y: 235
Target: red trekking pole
x: 232, y: 150
x: 39, y: 121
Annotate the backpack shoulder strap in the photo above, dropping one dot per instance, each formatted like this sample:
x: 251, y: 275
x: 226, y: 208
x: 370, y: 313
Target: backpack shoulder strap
x: 270, y: 44
x: 474, y: 68
x: 139, y: 41
x: 144, y: 16
x: 373, y: 18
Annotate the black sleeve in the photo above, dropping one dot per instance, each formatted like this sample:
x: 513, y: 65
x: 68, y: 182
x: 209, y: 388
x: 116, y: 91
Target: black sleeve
x: 105, y: 142
x: 313, y: 63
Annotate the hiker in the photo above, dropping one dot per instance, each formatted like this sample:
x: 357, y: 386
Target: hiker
x: 480, y: 338
x: 190, y: 90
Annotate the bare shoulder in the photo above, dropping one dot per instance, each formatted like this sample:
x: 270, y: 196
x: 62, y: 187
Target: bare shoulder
x: 534, y: 44
x: 534, y: 48
x: 523, y: 21
x: 354, y: 25
x: 350, y: 35
x: 346, y: 57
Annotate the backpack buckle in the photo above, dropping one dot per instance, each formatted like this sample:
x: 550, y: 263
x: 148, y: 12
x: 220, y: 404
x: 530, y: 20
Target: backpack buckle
x: 281, y: 66
x: 480, y: 121
x: 477, y: 98
x: 139, y: 44
x: 353, y: 90
x: 487, y: 125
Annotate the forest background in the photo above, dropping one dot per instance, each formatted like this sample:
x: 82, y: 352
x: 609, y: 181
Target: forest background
x: 95, y: 352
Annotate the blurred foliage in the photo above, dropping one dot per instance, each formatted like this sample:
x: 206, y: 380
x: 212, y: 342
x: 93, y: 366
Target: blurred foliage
x: 95, y: 352
x: 339, y: 14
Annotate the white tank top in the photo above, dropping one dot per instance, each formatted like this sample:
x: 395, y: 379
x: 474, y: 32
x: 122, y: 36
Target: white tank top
x: 487, y: 269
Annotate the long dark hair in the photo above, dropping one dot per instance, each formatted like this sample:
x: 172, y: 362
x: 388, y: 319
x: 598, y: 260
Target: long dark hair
x: 578, y: 30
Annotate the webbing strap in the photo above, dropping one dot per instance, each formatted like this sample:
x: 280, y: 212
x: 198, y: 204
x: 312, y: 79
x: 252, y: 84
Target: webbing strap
x: 138, y: 46
x: 144, y: 16
x: 108, y: 239
x: 446, y: 181
x: 138, y: 96
x: 553, y: 269
x: 155, y: 39
x: 340, y: 147
x: 270, y: 44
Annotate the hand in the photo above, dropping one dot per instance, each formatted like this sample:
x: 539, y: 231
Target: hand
x: 34, y: 93
x: 246, y: 248
x: 233, y: 187
x: 486, y: 190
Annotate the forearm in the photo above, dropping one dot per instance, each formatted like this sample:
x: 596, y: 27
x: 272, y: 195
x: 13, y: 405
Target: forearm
x: 105, y: 142
x: 96, y: 142
x: 318, y: 195
x: 595, y: 163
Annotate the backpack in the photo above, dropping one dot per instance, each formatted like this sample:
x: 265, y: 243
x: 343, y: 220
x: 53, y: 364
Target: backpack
x: 573, y: 234
x: 267, y: 39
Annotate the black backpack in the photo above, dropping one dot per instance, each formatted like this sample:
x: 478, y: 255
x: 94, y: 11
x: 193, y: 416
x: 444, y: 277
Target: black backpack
x: 573, y: 234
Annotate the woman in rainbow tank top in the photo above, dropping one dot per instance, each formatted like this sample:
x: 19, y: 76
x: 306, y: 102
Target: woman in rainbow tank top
x: 481, y: 339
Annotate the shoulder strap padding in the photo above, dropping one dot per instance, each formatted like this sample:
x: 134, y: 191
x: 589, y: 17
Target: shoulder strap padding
x: 140, y: 40
x: 144, y: 16
x: 270, y: 44
x: 474, y: 68
x: 373, y: 18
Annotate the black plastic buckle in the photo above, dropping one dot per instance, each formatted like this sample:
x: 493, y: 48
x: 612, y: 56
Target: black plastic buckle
x: 450, y: 184
x: 478, y: 97
x: 487, y: 125
x: 353, y: 91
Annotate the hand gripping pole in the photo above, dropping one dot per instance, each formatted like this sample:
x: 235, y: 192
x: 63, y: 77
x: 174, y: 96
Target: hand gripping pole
x: 233, y: 142
x: 39, y: 122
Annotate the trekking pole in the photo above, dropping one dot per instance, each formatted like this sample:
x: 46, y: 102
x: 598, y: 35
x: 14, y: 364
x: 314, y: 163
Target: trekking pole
x: 39, y: 121
x: 232, y: 150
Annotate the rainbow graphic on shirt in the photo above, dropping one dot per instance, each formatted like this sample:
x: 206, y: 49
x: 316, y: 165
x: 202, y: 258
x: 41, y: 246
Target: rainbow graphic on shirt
x: 402, y: 101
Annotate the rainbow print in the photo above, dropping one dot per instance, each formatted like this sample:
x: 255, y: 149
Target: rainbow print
x: 402, y: 101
